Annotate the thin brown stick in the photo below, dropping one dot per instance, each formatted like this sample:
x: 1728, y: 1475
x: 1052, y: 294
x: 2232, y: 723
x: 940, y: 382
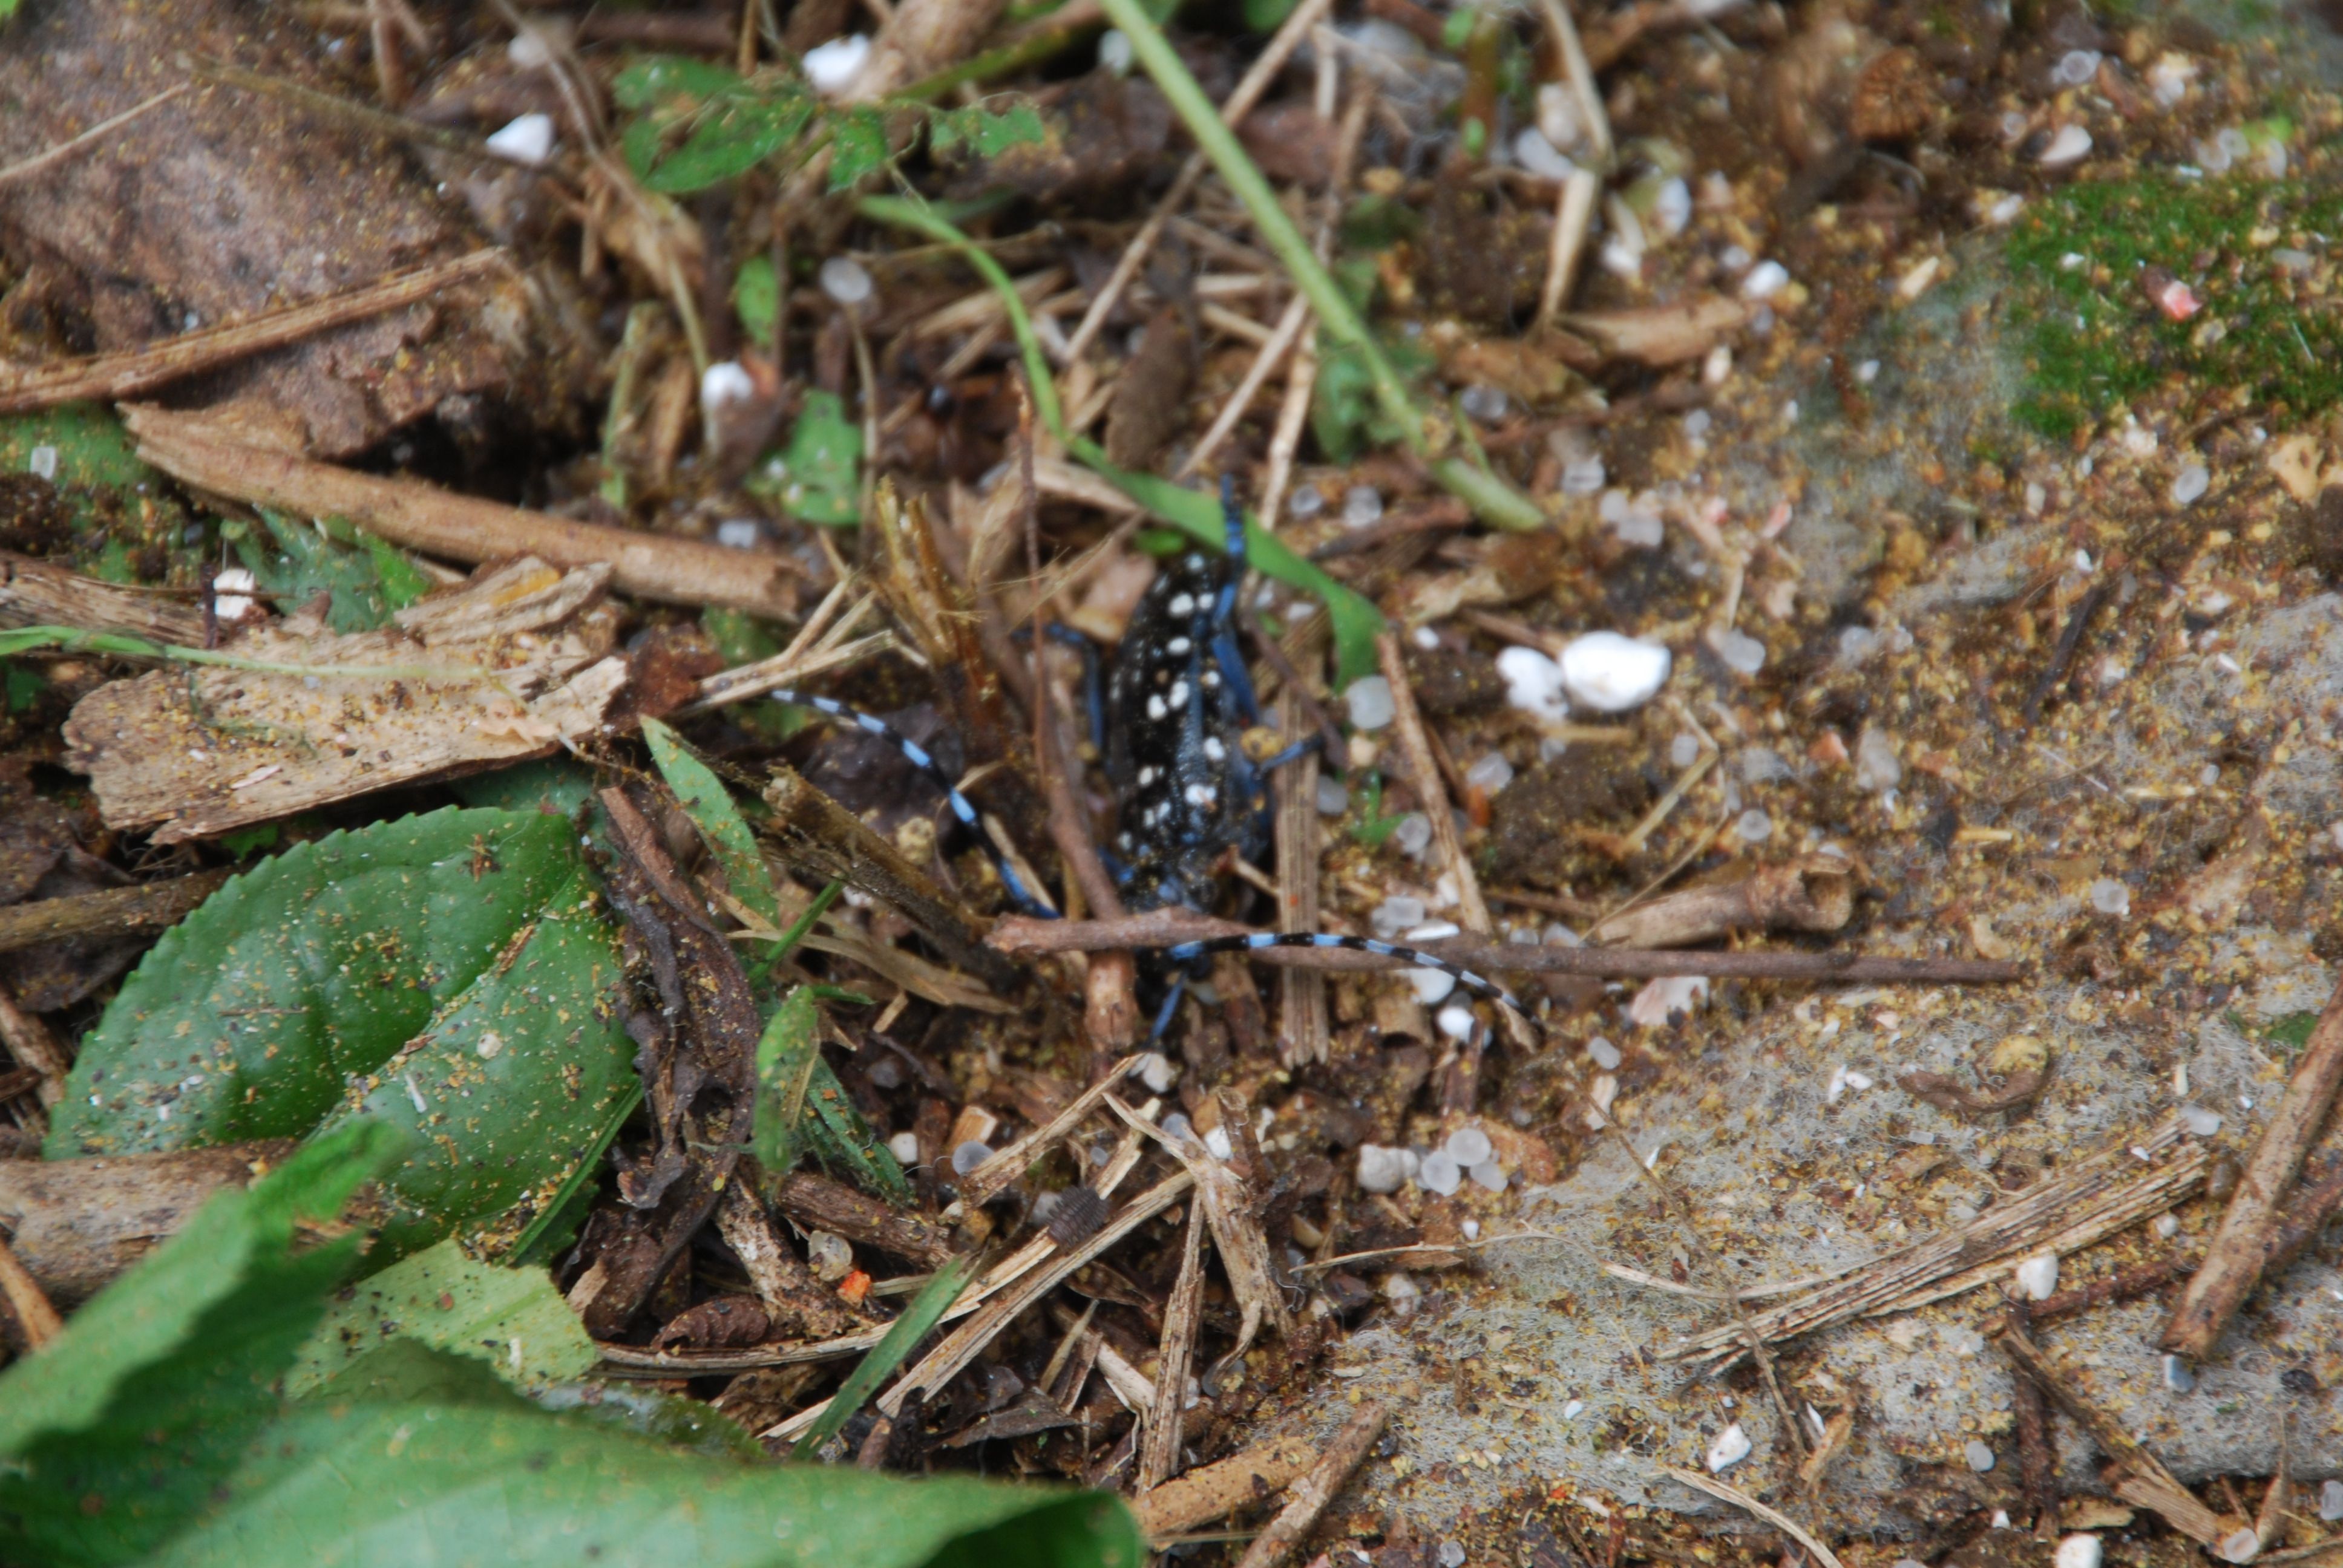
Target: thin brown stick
x: 1407, y: 727
x: 1215, y: 1491
x: 2037, y: 1461
x: 107, y: 376
x: 978, y: 1187
x: 38, y: 593
x: 2120, y: 1286
x: 1023, y: 937
x: 1573, y: 214
x: 1314, y: 1491
x: 27, y: 1302
x: 32, y: 1044
x: 1159, y: 1450
x: 2132, y: 1473
x: 2233, y: 1261
x: 109, y: 912
x: 420, y: 517
x: 26, y: 167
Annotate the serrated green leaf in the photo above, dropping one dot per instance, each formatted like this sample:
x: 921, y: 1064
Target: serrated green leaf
x: 787, y: 1054
x: 513, y: 1320
x: 105, y: 499
x: 413, y: 1456
x: 510, y: 1084
x: 402, y: 580
x: 251, y: 1015
x: 818, y: 478
x: 710, y: 805
x: 757, y: 300
x: 902, y: 1337
x: 295, y: 562
x: 118, y: 1434
x: 987, y: 133
x: 857, y: 145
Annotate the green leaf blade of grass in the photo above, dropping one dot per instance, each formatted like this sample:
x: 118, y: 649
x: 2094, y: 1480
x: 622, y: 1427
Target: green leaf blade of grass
x: 721, y: 826
x: 903, y: 1336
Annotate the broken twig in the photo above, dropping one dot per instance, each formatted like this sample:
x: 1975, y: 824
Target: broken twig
x: 1317, y: 1489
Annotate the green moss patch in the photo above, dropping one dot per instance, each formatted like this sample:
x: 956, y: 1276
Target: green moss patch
x: 2251, y: 250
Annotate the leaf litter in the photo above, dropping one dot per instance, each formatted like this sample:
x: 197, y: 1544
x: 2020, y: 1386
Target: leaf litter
x: 1734, y: 333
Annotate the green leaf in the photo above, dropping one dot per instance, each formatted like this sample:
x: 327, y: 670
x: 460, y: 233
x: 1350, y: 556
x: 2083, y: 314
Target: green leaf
x: 988, y: 134
x: 818, y: 479
x: 653, y: 79
x: 511, y: 1319
x: 1267, y: 16
x: 402, y: 580
x: 787, y: 1053
x: 107, y: 501
x: 297, y: 562
x: 710, y: 805
x: 757, y: 300
x: 507, y: 1088
x: 729, y: 138
x: 846, y: 1142
x: 413, y: 1456
x: 902, y: 1337
x: 250, y: 1016
x: 857, y: 145
x: 119, y: 1431
x: 2292, y: 1031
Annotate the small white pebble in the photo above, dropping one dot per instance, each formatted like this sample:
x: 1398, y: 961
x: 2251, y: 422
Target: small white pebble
x: 1730, y: 1447
x: 1876, y: 768
x: 2067, y: 145
x: 905, y: 1148
x: 1414, y: 834
x: 1683, y: 750
x: 1471, y: 1229
x: 1754, y: 826
x: 1582, y: 477
x: 1115, y: 55
x: 1363, y: 506
x: 528, y: 50
x: 1369, y: 699
x: 1490, y: 773
x: 2191, y: 484
x: 1490, y: 1175
x: 831, y: 1255
x: 739, y: 533
x: 2038, y: 1276
x: 1424, y: 638
x: 2166, y: 1226
x: 1482, y: 402
x: 1403, y: 1293
x: 969, y: 1156
x: 1610, y: 673
x: 42, y: 461
x: 1332, y: 798
x: 1572, y: 1408
x: 527, y: 140
x: 723, y: 384
x: 830, y: 69
x: 1672, y: 208
x: 1535, y: 154
x: 1159, y: 1073
x: 1395, y: 914
x: 1431, y: 986
x: 2074, y: 67
x: 1765, y: 280
x: 1451, y: 1554
x: 1978, y: 1454
x: 1456, y: 1022
x: 2110, y: 897
x: 1533, y: 683
x: 2177, y: 1376
x: 2331, y: 1501
x: 1605, y: 1054
x: 1381, y: 1169
x: 1217, y: 1141
x: 1439, y: 1173
x: 1305, y: 502
x: 846, y: 280
x: 2078, y: 1552
x: 1741, y: 653
x: 1468, y: 1146
x: 2204, y: 1123
x: 2239, y: 1545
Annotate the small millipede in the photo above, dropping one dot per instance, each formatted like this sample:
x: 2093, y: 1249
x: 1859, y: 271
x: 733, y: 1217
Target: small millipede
x: 1178, y: 705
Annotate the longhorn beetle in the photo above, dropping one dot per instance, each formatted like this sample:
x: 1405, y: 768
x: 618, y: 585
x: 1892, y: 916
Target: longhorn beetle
x: 1178, y: 706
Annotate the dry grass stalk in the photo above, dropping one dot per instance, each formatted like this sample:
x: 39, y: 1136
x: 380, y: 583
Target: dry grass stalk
x: 1275, y: 345
x: 36, y: 1319
x: 1159, y: 1450
x: 2092, y: 1200
x: 979, y: 1186
x: 1407, y: 726
x: 964, y: 1344
x: 1740, y: 1499
x: 1223, y: 1487
x: 107, y: 376
x: 108, y: 912
x: 1345, y: 1455
x: 419, y: 516
x: 37, y: 593
x: 1812, y: 893
x: 2132, y: 1473
x: 24, y: 168
x: 1236, y: 1232
x: 1573, y: 214
x: 2235, y: 1257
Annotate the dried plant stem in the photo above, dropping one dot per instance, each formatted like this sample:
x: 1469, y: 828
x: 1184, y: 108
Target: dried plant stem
x: 34, y: 1045
x: 1301, y: 1034
x: 26, y: 167
x: 1217, y: 1490
x: 27, y: 1303
x: 1740, y: 1499
x: 1314, y: 1491
x: 110, y: 913
x: 1574, y: 215
x: 1159, y: 1450
x: 2234, y: 1260
x: 978, y: 1187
